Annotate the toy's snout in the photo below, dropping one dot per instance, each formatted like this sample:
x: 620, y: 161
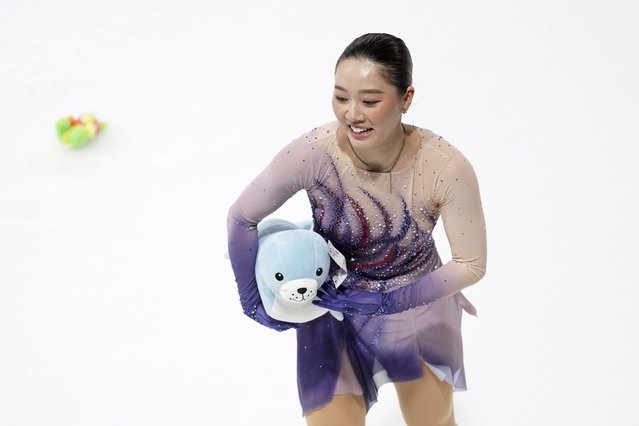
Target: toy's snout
x: 300, y: 291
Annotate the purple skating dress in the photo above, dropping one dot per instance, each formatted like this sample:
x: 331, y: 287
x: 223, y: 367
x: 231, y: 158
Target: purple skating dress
x: 382, y: 223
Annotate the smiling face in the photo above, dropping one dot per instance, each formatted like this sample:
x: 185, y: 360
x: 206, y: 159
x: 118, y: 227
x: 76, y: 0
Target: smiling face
x: 369, y: 108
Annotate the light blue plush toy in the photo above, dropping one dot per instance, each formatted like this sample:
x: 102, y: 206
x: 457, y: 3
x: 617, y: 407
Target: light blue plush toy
x: 292, y: 264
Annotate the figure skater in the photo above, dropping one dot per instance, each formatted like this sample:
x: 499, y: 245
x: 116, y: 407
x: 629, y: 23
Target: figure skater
x: 376, y: 187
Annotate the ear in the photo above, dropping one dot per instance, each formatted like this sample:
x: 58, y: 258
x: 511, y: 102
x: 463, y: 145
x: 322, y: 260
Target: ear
x: 407, y: 99
x: 273, y: 225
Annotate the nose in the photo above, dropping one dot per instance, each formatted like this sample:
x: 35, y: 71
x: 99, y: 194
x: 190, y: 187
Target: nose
x: 354, y: 113
x: 301, y: 290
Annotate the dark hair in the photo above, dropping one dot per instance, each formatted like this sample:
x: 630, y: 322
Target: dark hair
x: 388, y: 52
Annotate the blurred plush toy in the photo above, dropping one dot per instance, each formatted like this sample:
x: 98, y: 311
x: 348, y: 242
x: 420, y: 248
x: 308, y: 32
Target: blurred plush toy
x: 77, y: 132
x: 292, y: 264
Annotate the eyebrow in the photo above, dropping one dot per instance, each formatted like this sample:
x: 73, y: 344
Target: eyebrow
x: 366, y: 91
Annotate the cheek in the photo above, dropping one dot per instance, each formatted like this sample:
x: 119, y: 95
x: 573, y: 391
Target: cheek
x: 338, y: 110
x: 383, y: 114
x: 378, y: 116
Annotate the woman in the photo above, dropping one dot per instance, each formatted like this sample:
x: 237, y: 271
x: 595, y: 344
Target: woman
x: 376, y: 187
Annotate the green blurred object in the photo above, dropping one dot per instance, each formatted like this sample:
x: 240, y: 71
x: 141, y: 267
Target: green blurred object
x: 77, y: 132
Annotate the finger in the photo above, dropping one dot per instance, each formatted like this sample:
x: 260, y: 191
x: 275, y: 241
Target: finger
x: 323, y: 303
x: 326, y: 297
x: 331, y: 305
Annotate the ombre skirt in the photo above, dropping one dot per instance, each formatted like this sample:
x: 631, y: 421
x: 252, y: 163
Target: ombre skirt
x: 361, y: 353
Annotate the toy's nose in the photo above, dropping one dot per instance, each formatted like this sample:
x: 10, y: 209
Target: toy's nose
x: 301, y: 290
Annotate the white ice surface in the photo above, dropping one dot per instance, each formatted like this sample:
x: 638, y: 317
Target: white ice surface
x: 117, y: 306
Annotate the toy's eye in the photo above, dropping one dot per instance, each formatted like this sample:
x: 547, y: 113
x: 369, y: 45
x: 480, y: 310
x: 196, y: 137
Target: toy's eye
x: 319, y: 271
x: 279, y: 276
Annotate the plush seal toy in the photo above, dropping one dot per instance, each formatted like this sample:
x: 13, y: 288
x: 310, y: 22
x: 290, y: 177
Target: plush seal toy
x: 293, y: 262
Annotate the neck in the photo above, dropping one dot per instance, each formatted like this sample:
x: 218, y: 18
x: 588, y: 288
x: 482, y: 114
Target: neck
x: 385, y: 165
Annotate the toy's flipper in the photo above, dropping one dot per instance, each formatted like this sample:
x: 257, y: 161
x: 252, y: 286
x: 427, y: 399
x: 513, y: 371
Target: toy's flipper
x: 338, y: 315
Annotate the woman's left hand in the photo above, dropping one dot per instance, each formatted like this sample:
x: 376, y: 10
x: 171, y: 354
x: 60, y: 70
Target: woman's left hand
x: 349, y: 301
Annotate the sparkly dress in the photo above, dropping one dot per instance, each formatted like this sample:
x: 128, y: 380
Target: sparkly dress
x: 383, y: 225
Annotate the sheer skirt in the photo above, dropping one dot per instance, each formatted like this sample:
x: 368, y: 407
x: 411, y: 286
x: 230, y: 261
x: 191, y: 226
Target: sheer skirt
x: 362, y: 353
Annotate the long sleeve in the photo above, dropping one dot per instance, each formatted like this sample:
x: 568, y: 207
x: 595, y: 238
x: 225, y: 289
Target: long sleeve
x: 290, y: 171
x: 456, y: 195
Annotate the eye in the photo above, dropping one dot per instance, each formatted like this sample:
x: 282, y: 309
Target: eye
x: 340, y: 99
x: 319, y: 271
x: 279, y: 276
x: 370, y: 103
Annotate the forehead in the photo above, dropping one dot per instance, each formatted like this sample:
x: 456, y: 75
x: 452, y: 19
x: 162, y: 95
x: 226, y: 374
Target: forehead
x: 359, y: 74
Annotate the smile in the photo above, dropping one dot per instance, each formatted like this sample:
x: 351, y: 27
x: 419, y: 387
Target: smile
x: 360, y: 132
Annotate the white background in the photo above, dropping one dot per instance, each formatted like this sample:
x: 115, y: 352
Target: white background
x: 117, y: 306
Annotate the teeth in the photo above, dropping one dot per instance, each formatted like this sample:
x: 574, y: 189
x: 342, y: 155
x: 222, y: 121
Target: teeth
x: 358, y: 129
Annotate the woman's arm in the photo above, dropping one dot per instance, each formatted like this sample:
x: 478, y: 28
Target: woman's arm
x: 456, y: 192
x: 290, y: 171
